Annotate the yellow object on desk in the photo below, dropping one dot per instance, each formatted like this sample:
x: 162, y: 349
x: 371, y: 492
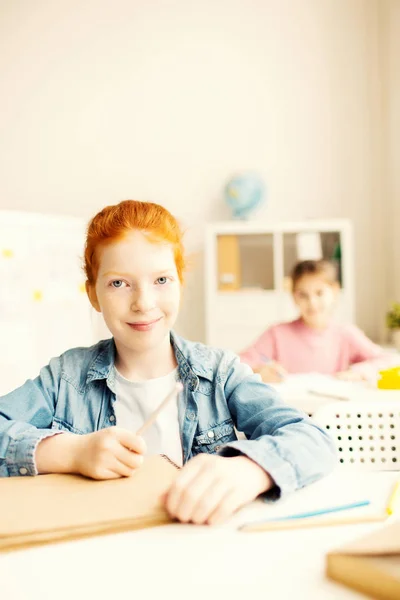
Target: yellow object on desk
x: 394, y: 500
x: 390, y: 379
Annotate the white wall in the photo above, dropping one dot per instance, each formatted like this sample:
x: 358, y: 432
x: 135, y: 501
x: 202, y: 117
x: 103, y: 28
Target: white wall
x: 163, y: 101
x: 391, y: 53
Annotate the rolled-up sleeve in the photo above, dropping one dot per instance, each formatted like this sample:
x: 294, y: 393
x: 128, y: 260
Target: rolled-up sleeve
x: 284, y: 441
x: 26, y: 416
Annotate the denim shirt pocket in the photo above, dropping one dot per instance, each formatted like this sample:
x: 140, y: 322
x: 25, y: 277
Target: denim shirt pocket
x: 212, y: 439
x: 60, y: 425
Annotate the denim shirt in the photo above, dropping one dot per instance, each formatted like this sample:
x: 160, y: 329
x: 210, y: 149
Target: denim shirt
x: 76, y: 393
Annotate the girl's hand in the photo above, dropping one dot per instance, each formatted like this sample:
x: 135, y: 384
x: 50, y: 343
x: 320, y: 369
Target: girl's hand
x: 350, y: 376
x: 210, y: 488
x: 108, y: 453
x: 271, y: 372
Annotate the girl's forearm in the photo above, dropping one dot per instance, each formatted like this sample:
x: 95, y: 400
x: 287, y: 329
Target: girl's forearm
x: 57, y: 454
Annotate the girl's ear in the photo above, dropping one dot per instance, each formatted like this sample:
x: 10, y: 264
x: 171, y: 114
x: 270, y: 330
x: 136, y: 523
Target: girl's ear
x: 91, y: 292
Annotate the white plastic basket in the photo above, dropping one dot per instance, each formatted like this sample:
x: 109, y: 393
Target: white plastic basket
x: 366, y: 434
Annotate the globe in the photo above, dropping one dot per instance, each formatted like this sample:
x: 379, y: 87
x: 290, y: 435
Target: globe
x: 243, y: 193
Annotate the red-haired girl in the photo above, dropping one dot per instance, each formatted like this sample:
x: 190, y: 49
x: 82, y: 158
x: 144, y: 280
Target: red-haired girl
x: 81, y: 414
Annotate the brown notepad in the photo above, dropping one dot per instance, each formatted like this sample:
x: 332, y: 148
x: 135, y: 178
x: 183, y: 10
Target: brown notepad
x: 371, y: 564
x: 52, y: 508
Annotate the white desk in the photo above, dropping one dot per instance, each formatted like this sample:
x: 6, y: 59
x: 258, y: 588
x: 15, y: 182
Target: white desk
x: 193, y: 563
x: 296, y: 391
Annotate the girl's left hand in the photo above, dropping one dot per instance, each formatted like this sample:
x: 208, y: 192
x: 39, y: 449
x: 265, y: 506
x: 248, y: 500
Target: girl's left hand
x: 350, y: 375
x: 210, y: 488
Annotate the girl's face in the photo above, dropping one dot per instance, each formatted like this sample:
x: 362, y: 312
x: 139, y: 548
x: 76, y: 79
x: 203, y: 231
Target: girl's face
x: 137, y: 291
x: 315, y: 299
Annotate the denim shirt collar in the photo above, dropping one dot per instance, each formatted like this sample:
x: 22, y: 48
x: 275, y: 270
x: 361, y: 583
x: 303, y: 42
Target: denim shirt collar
x: 190, y: 366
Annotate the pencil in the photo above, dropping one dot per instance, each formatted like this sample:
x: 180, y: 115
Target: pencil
x: 328, y: 394
x: 308, y: 523
x: 308, y: 515
x: 178, y: 388
x: 393, y: 499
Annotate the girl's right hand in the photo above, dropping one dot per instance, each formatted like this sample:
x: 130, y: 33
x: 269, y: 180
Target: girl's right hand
x: 271, y: 372
x: 108, y: 453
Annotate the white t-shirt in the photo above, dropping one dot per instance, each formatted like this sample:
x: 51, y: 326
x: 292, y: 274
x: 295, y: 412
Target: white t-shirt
x: 137, y: 400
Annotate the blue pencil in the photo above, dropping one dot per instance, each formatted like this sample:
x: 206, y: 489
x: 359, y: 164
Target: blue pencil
x: 314, y: 513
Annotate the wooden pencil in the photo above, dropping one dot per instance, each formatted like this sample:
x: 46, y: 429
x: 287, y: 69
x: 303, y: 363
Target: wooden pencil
x: 178, y: 388
x: 314, y: 522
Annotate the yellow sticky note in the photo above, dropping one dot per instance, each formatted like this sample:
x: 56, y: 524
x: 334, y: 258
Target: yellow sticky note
x: 37, y: 295
x: 7, y: 253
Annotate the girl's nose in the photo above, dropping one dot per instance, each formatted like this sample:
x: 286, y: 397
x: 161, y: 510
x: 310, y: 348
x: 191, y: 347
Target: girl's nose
x: 143, y: 301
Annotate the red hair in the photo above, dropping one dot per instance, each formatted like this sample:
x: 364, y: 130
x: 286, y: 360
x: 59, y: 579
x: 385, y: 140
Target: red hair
x: 113, y: 222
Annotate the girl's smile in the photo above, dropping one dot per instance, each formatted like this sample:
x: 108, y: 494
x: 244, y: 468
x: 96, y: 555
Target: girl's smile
x: 144, y: 326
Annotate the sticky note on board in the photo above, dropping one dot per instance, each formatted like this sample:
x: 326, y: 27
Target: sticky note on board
x: 37, y: 295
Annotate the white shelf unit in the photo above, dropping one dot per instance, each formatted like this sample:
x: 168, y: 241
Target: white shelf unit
x: 264, y: 254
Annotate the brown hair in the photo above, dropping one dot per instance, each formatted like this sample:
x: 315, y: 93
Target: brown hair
x: 114, y: 222
x: 325, y: 268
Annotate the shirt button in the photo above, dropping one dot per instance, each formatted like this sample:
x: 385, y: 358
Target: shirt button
x: 112, y: 418
x: 210, y: 434
x: 191, y: 416
x: 23, y: 471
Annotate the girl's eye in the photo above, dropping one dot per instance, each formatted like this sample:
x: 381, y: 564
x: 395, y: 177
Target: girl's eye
x: 162, y: 280
x: 118, y: 283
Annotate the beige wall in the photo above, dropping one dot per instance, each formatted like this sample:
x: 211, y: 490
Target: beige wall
x: 391, y: 47
x: 164, y: 100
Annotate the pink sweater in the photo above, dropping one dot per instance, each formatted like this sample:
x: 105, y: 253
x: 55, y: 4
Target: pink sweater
x: 301, y: 349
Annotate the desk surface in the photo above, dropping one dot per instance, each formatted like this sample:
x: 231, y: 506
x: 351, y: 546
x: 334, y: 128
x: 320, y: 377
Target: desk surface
x: 312, y: 391
x: 183, y: 561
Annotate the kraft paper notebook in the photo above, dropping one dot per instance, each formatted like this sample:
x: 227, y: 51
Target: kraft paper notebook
x: 370, y: 564
x: 50, y: 508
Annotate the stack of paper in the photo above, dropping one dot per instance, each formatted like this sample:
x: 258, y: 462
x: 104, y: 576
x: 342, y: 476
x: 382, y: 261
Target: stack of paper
x: 50, y: 508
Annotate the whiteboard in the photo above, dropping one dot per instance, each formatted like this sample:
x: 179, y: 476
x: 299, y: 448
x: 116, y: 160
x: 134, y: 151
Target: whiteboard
x: 44, y: 309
